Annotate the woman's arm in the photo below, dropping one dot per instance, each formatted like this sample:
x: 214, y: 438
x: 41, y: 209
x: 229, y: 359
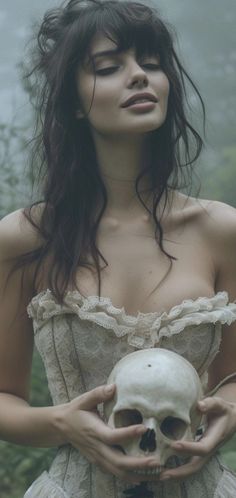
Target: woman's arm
x: 224, y: 238
x: 220, y: 230
x: 19, y: 423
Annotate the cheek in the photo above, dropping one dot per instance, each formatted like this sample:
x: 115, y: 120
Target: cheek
x: 85, y: 91
x: 163, y: 91
x: 165, y: 86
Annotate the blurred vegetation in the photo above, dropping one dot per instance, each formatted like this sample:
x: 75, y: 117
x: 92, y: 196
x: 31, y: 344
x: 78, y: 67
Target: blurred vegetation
x: 20, y: 466
x: 219, y: 181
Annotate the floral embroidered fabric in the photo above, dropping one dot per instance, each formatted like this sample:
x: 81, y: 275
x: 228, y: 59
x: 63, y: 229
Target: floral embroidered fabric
x: 80, y: 342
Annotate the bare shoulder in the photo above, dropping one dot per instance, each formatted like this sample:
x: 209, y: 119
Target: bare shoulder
x: 219, y: 221
x: 213, y: 221
x: 216, y: 222
x: 215, y: 218
x: 18, y: 235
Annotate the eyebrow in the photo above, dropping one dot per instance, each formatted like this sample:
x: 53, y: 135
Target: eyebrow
x: 114, y: 51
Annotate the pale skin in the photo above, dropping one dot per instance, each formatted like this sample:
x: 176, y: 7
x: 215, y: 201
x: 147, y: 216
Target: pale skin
x: 204, y: 245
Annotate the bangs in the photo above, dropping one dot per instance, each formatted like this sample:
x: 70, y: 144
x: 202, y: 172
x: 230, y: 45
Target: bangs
x: 127, y: 25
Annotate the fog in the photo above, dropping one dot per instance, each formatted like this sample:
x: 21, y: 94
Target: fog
x: 206, y: 42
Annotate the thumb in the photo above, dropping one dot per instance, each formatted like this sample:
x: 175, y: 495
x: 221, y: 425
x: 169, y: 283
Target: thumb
x: 90, y: 400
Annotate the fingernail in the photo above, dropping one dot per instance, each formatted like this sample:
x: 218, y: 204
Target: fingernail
x: 109, y: 389
x: 141, y: 430
x: 164, y: 478
x: 154, y: 463
x: 202, y: 405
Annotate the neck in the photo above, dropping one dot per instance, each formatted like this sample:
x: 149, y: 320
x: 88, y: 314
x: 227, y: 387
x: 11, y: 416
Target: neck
x: 120, y: 161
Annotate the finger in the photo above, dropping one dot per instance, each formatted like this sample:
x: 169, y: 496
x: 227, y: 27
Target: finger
x: 193, y: 466
x: 199, y: 448
x: 112, y: 436
x: 125, y: 462
x: 212, y: 405
x: 214, y: 436
x: 90, y: 400
x: 121, y: 435
x: 107, y: 466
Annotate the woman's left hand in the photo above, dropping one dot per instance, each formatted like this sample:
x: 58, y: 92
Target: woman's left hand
x: 221, y: 425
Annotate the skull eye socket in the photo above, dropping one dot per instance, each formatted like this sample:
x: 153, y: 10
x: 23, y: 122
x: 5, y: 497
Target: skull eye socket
x: 173, y: 428
x: 124, y: 418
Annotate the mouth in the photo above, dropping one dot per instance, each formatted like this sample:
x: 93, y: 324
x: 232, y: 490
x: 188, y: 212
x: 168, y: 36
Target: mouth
x: 138, y: 99
x: 142, y: 105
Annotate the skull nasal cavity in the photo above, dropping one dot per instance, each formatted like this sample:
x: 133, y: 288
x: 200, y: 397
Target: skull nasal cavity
x: 148, y: 441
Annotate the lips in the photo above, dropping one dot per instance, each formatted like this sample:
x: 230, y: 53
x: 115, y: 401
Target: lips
x: 137, y: 97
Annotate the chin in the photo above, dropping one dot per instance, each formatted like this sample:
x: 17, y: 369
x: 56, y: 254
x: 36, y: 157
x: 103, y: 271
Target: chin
x: 146, y: 125
x: 144, y: 128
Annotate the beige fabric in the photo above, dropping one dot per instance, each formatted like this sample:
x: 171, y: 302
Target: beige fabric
x: 81, y: 341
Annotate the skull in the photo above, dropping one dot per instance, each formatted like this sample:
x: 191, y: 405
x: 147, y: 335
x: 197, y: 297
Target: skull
x: 159, y: 389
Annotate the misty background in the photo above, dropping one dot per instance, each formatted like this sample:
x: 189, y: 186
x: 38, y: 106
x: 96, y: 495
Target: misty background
x: 206, y: 44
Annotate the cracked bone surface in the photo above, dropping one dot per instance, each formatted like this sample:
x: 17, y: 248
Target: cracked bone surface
x: 159, y: 389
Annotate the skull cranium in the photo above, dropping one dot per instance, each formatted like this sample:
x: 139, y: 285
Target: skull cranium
x: 159, y: 389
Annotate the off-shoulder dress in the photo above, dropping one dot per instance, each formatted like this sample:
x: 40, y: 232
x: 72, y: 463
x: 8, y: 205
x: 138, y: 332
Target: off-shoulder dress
x: 80, y: 342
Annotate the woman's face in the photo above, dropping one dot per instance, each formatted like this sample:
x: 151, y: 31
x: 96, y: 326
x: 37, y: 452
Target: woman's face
x: 120, y: 76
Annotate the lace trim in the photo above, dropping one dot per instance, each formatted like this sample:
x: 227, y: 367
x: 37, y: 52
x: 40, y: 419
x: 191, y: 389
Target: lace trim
x: 44, y: 487
x: 154, y: 325
x: 227, y: 484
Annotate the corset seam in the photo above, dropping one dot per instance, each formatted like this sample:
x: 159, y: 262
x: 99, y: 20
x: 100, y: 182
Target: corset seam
x: 67, y: 465
x: 80, y: 374
x: 57, y: 358
x: 115, y: 487
x: 81, y: 377
x: 209, y: 351
x: 184, y: 493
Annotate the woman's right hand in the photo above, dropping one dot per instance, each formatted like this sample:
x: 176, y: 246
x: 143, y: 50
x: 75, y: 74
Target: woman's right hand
x: 84, y: 429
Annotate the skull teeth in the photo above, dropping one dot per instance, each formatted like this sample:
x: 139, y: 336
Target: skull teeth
x: 149, y: 471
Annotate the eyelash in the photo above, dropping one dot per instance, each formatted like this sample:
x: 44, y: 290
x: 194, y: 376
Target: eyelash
x: 110, y: 70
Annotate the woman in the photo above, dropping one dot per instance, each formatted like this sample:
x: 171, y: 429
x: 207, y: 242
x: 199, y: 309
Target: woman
x: 114, y: 140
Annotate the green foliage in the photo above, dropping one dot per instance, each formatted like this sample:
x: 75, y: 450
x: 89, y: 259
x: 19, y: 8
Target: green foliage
x: 22, y: 462
x: 219, y: 182
x: 14, y: 178
x: 19, y: 466
x: 228, y: 453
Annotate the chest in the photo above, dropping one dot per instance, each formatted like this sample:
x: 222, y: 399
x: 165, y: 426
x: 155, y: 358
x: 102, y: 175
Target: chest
x: 140, y: 277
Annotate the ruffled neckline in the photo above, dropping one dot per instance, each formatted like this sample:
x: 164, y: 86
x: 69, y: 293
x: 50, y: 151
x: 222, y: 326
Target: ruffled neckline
x: 143, y: 330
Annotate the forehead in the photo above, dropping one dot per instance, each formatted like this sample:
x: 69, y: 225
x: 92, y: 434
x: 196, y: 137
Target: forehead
x: 104, y: 46
x: 101, y: 42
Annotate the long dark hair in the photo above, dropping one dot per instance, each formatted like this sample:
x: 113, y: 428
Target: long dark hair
x: 70, y: 177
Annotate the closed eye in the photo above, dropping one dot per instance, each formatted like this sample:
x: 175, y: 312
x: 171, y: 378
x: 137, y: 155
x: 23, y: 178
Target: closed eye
x: 107, y: 70
x: 153, y: 67
x: 112, y: 69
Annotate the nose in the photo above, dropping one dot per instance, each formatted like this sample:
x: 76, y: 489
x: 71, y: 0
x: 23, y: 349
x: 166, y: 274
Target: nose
x: 138, y: 76
x: 148, y: 441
